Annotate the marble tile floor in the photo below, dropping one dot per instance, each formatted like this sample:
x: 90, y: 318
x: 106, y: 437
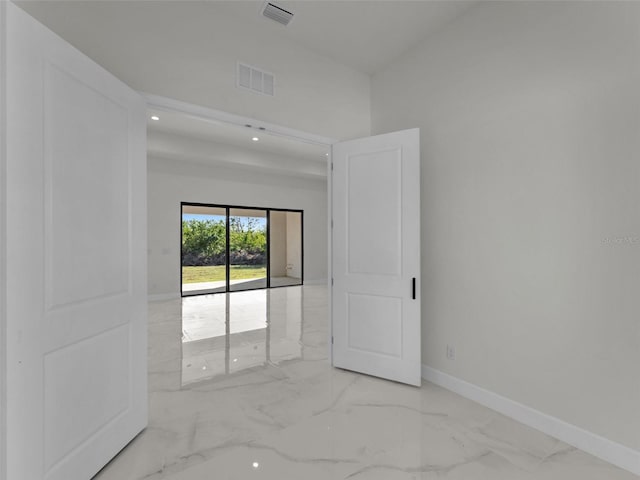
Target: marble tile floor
x: 280, y: 411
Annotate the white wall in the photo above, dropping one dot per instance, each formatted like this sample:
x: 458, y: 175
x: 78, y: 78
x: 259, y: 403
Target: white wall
x: 530, y: 129
x: 293, y: 245
x: 171, y: 182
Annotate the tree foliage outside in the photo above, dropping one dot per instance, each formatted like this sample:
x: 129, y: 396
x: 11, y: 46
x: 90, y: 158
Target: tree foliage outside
x: 203, y: 242
x: 247, y: 235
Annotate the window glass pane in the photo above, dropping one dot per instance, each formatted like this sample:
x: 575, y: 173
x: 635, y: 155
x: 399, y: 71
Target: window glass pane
x: 203, y: 249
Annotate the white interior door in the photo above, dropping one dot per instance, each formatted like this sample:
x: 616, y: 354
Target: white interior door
x: 376, y: 256
x: 76, y: 258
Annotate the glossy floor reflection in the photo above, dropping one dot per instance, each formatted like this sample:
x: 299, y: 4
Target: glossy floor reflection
x: 226, y: 333
x: 281, y: 412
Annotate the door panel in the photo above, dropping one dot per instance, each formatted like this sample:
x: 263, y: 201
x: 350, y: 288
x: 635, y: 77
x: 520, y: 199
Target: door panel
x: 76, y: 266
x: 374, y: 193
x: 101, y: 379
x: 76, y: 150
x: 376, y: 256
x: 374, y: 324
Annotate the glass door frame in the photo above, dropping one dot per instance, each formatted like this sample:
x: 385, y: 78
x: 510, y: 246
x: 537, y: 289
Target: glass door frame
x: 227, y: 209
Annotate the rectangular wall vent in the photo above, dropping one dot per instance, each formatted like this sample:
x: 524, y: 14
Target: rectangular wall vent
x: 276, y: 13
x: 256, y: 80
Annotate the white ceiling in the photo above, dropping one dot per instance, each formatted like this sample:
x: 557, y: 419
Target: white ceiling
x: 215, y: 133
x: 224, y: 133
x: 181, y: 138
x: 365, y: 35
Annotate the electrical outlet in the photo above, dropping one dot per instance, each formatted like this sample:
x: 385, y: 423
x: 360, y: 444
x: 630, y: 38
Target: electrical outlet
x: 451, y: 352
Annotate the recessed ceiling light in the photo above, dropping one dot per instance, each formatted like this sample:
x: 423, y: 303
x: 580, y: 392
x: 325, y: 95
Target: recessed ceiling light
x: 326, y: 154
x: 255, y: 139
x: 155, y: 118
x: 256, y: 464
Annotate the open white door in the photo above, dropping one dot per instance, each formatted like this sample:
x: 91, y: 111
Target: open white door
x: 76, y: 258
x: 376, y: 256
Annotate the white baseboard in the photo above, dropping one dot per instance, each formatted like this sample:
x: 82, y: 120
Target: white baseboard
x: 157, y: 297
x: 607, y: 450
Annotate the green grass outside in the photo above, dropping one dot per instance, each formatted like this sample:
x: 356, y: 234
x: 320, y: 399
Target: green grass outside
x: 217, y: 273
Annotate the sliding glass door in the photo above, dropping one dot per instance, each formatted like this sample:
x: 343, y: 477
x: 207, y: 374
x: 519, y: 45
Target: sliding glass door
x: 204, y: 249
x: 231, y: 248
x: 247, y: 249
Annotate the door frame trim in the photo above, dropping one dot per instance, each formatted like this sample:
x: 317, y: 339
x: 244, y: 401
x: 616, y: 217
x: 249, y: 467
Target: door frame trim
x: 218, y: 116
x: 3, y: 242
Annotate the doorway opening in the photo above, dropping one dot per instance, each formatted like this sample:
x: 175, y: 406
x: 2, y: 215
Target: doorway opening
x: 228, y: 248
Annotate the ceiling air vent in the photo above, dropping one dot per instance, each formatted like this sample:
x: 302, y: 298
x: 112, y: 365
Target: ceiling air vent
x: 254, y: 79
x: 276, y: 13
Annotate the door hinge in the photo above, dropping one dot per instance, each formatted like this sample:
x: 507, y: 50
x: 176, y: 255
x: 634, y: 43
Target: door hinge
x: 332, y: 282
x: 332, y: 166
x: 332, y: 223
x: 331, y: 340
